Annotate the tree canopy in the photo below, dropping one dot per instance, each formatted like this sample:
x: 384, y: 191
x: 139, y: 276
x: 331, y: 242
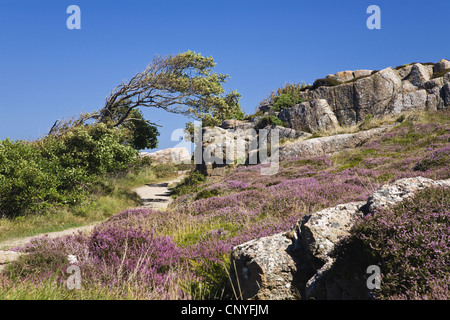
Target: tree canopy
x: 181, y: 84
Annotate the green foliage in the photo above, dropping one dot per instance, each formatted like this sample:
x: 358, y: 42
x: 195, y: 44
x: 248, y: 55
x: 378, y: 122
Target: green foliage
x: 52, y: 289
x: 367, y: 123
x: 228, y: 108
x: 165, y: 171
x: 139, y: 133
x: 97, y: 149
x: 285, y: 100
x: 409, y: 242
x: 214, y: 273
x: 350, y: 161
x: 225, y: 108
x: 207, y: 193
x: 314, y: 163
x: 24, y: 178
x: 258, y: 113
x: 60, y: 170
x: 189, y: 184
x: 182, y: 84
x: 287, y: 96
x: 269, y: 121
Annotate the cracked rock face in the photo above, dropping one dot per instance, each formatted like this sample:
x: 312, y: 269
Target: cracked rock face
x: 441, y: 65
x: 311, y: 116
x: 390, y: 194
x: 362, y: 92
x: 264, y: 269
x: 446, y: 94
x: 235, y: 142
x: 299, y: 263
x: 352, y: 101
x: 419, y: 75
x: 326, y: 228
x: 326, y: 145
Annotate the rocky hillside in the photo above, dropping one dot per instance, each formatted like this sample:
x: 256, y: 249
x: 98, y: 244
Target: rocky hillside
x: 300, y: 263
x: 340, y: 100
x: 347, y: 97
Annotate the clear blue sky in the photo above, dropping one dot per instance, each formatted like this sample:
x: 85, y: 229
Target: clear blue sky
x: 48, y: 72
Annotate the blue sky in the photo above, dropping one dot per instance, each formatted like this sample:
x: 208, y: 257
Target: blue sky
x: 49, y: 72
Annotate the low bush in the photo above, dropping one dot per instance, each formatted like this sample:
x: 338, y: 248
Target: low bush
x: 258, y: 113
x: 189, y: 184
x: 269, y: 121
x: 367, y: 123
x: 165, y: 171
x: 26, y: 179
x: 287, y: 96
x: 410, y: 242
x: 58, y: 171
x: 207, y: 193
x: 285, y: 101
x: 435, y: 159
x: 132, y: 249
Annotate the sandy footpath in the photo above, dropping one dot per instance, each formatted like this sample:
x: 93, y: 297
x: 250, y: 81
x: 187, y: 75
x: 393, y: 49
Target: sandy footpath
x: 157, y: 195
x: 22, y: 241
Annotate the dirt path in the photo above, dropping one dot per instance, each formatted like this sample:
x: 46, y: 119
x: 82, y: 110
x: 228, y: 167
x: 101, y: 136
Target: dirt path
x: 154, y: 196
x: 157, y: 195
x: 22, y: 241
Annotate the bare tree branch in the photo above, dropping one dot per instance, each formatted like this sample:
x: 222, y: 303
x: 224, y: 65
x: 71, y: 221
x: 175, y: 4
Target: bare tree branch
x: 60, y: 127
x: 167, y: 83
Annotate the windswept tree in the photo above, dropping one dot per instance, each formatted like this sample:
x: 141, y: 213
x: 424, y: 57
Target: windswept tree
x: 181, y: 84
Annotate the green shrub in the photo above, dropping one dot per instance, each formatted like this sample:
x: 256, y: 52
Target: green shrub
x: 409, y: 242
x: 24, y: 181
x: 57, y: 171
x: 269, y: 121
x: 285, y: 101
x: 213, y: 272
x: 189, y: 184
x: 287, y: 96
x: 98, y: 149
x: 165, y: 170
x: 367, y: 123
x: 207, y: 193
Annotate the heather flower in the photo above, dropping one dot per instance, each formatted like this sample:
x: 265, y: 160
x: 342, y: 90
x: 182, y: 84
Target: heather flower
x: 411, y: 244
x: 237, y: 184
x: 436, y: 158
